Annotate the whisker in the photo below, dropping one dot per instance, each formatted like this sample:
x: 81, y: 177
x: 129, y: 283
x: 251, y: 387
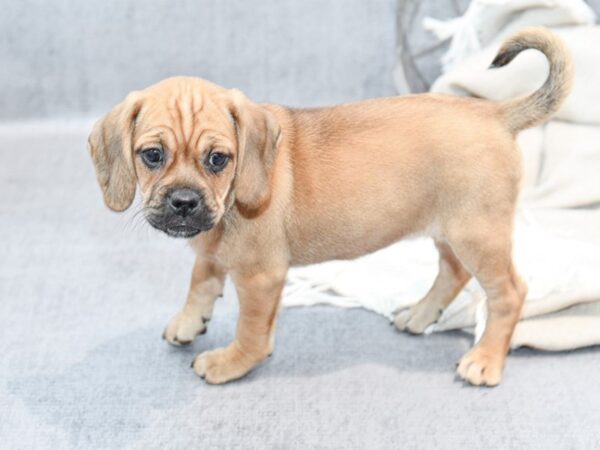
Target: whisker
x: 139, y: 217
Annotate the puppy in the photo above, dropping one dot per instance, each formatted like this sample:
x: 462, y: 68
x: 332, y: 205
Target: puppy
x: 258, y: 188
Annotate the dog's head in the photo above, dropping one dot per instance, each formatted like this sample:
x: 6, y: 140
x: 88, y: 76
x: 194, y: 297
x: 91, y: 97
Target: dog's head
x: 194, y: 148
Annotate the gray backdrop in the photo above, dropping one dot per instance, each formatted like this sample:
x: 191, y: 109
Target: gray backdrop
x: 71, y: 57
x: 68, y: 58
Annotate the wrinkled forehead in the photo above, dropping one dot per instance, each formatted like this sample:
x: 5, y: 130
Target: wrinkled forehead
x: 185, y: 113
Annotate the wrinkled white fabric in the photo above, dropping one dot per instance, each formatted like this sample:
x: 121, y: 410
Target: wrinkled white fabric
x: 557, y: 233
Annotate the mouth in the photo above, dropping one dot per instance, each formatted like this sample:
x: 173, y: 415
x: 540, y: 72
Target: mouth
x: 182, y: 231
x: 180, y: 227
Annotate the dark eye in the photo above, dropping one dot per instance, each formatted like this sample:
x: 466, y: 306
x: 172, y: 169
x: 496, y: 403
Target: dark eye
x: 153, y: 157
x: 217, y: 161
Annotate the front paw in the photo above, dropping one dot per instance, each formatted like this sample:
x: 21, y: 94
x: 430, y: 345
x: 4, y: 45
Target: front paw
x: 223, y: 364
x: 481, y: 367
x: 183, y: 328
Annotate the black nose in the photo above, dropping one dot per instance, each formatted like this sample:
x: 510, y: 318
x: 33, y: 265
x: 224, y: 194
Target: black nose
x: 183, y: 201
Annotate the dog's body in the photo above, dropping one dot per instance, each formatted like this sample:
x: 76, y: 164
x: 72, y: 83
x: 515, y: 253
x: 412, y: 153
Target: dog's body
x: 306, y: 186
x: 355, y: 195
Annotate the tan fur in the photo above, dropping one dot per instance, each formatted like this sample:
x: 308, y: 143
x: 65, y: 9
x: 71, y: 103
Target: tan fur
x: 306, y: 186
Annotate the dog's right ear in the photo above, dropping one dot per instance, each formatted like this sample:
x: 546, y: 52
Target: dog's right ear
x: 110, y: 145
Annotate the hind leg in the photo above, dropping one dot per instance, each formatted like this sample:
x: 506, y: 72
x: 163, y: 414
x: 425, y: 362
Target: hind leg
x: 451, y: 278
x: 487, y: 253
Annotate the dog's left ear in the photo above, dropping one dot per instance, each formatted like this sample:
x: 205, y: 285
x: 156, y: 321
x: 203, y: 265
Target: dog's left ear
x: 110, y: 145
x: 257, y: 135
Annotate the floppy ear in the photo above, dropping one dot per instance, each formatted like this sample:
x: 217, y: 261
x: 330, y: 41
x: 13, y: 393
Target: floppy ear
x: 111, y: 149
x: 257, y: 135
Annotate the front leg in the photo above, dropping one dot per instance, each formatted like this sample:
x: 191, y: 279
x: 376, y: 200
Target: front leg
x: 259, y: 296
x: 207, y: 284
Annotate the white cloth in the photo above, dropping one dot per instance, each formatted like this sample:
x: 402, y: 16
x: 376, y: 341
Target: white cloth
x: 557, y: 234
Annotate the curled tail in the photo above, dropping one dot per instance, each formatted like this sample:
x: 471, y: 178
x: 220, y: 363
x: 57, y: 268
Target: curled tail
x: 530, y: 110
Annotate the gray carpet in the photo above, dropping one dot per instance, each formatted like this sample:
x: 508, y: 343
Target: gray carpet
x: 84, y: 297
